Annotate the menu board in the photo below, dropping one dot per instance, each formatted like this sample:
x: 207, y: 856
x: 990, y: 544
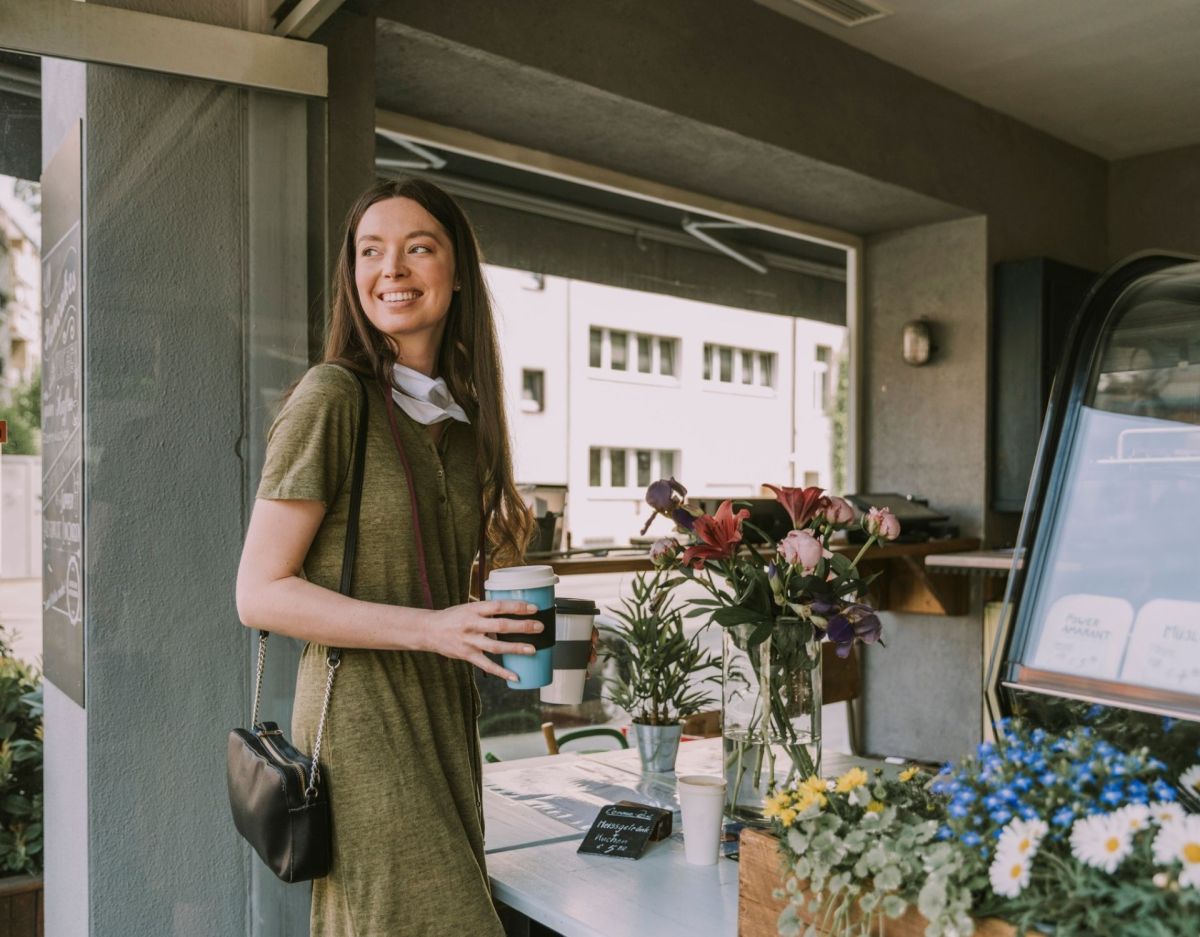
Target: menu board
x: 62, y: 418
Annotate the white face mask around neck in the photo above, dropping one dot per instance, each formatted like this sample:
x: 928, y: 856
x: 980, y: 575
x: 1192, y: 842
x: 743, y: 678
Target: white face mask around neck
x: 426, y: 399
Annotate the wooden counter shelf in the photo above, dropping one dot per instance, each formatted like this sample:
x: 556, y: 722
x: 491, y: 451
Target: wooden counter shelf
x: 907, y: 583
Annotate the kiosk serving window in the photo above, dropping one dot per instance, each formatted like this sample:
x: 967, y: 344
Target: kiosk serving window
x: 1110, y: 609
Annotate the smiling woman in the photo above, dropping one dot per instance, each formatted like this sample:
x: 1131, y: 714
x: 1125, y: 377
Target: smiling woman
x: 413, y: 323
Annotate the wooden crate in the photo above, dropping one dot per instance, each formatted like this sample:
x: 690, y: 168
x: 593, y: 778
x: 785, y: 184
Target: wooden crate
x: 22, y: 913
x: 760, y: 873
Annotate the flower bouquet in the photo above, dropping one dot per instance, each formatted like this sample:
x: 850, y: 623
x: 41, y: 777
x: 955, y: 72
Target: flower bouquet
x: 776, y: 604
x: 1063, y: 834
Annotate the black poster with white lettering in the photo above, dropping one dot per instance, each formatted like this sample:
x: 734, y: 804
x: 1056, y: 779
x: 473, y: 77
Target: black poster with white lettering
x: 62, y: 418
x: 623, y: 830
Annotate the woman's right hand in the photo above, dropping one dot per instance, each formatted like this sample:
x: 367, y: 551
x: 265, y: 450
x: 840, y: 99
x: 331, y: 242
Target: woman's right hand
x: 465, y: 632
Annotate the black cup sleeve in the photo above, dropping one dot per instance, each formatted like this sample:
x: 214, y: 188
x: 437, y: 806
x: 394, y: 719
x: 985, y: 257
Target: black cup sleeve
x: 572, y: 655
x: 539, y: 641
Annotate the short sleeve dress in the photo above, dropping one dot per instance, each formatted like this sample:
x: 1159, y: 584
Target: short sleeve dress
x: 401, y: 746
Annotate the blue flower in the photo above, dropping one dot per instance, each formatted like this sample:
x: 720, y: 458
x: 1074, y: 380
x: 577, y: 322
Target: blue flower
x: 1008, y: 795
x: 1163, y: 790
x: 971, y: 838
x: 1063, y: 816
x: 1168, y: 723
x: 944, y: 832
x: 1027, y: 812
x: 1038, y: 736
x: 1113, y: 793
x: 1137, y: 792
x: 1001, y: 816
x: 1047, y: 778
x: 993, y: 802
x: 957, y: 810
x: 964, y: 795
x: 1095, y: 711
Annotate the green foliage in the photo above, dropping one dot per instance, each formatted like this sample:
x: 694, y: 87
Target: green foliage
x: 839, y: 430
x: 20, y: 764
x: 655, y: 660
x: 24, y: 418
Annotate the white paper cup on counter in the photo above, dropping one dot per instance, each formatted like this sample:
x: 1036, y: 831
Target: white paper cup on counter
x: 702, y: 803
x: 573, y: 622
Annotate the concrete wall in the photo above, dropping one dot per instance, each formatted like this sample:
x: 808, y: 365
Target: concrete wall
x: 1152, y: 203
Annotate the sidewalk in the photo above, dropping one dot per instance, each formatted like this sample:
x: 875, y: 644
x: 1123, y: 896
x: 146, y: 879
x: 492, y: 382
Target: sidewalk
x: 21, y: 614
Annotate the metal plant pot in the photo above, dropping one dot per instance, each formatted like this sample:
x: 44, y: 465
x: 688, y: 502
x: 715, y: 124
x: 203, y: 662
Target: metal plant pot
x: 657, y: 746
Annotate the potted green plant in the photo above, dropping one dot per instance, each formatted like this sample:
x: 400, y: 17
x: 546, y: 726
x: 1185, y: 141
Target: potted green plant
x: 660, y: 672
x: 20, y: 794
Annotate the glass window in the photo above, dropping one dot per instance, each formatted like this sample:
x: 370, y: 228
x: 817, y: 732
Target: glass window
x: 766, y: 369
x: 594, y: 458
x: 708, y: 361
x: 620, y: 349
x: 666, y: 464
x: 747, y: 367
x: 644, y: 345
x: 533, y: 391
x: 616, y: 460
x: 666, y: 356
x: 726, y: 364
x: 595, y: 347
x: 643, y: 467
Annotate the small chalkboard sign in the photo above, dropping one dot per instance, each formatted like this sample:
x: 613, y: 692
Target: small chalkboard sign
x: 623, y: 830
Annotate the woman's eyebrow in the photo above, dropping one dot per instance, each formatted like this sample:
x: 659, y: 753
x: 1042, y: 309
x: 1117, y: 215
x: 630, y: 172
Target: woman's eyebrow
x: 421, y: 232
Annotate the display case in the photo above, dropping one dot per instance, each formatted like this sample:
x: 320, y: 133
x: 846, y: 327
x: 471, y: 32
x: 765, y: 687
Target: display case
x: 1105, y: 606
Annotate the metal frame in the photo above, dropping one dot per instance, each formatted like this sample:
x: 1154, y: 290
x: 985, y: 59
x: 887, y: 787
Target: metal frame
x: 392, y: 124
x: 307, y: 17
x: 91, y: 32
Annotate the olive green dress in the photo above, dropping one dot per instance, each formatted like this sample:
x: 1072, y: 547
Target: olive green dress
x: 401, y: 747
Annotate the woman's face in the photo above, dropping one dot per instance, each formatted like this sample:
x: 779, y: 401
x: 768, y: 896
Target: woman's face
x: 404, y: 272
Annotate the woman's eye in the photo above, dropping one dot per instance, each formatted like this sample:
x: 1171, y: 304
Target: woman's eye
x: 368, y: 252
x: 419, y: 247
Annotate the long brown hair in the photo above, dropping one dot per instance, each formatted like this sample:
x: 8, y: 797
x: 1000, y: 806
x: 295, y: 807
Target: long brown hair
x: 469, y: 357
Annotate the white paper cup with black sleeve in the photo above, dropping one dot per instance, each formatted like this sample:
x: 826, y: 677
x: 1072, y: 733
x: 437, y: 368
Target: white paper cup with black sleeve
x: 573, y: 622
x: 533, y: 584
x: 702, y: 803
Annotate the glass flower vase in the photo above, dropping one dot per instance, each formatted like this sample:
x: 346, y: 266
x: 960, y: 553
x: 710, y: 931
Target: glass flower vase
x: 770, y: 713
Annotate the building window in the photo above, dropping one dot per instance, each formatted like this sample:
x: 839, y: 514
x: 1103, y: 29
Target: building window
x: 666, y: 357
x: 613, y: 350
x: 618, y: 350
x: 595, y: 347
x: 728, y: 365
x: 822, y: 373
x: 647, y: 466
x: 533, y: 391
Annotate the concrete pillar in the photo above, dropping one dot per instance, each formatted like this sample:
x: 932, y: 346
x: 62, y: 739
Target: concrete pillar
x: 204, y: 218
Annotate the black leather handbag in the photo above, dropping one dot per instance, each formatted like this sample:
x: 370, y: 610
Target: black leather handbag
x: 279, y: 802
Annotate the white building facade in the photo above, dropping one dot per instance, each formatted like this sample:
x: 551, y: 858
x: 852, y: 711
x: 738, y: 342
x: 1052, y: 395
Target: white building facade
x: 610, y: 389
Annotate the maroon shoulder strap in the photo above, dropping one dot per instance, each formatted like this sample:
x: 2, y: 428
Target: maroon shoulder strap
x: 412, y: 496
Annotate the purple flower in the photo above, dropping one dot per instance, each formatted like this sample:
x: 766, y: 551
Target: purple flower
x: 854, y: 623
x: 666, y: 496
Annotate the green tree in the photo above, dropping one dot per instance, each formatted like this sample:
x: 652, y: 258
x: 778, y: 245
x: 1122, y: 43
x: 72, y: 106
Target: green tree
x: 24, y: 416
x: 840, y: 420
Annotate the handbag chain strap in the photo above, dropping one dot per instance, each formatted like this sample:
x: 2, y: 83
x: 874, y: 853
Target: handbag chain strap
x: 334, y: 658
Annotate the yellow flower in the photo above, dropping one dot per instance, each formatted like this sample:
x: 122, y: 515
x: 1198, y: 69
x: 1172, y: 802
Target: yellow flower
x: 787, y: 817
x: 806, y: 798
x: 853, y: 778
x: 909, y: 773
x: 774, y: 805
x: 815, y: 783
x: 874, y: 807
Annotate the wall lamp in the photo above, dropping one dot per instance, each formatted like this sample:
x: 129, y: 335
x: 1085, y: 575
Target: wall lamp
x: 918, y: 342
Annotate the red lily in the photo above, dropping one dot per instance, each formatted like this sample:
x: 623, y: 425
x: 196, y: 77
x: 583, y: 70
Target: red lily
x: 719, y: 536
x: 801, y: 503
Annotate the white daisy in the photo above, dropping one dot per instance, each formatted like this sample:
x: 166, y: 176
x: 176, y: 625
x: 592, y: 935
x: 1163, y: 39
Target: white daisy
x: 1180, y: 842
x: 1023, y: 836
x: 1135, y: 817
x: 1009, y: 872
x: 1163, y: 812
x: 1101, y: 841
x: 1190, y: 780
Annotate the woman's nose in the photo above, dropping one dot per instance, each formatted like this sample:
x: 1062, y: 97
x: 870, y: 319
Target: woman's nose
x: 394, y: 265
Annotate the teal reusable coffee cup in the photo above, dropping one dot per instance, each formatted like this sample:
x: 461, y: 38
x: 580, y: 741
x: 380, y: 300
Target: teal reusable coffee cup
x: 533, y: 584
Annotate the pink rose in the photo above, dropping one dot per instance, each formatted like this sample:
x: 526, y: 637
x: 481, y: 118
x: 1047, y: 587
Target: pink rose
x: 801, y: 548
x: 840, y: 512
x: 881, y: 523
x: 663, y: 551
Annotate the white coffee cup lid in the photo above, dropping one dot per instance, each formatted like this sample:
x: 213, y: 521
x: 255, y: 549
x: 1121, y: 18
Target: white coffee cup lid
x: 513, y: 578
x: 704, y: 784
